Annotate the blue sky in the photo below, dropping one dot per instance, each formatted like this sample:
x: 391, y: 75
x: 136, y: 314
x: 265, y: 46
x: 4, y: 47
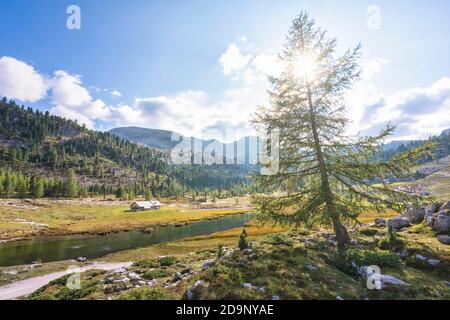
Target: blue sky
x: 195, y: 65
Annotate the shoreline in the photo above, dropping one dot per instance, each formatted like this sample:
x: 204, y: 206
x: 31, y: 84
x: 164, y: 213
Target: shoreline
x: 25, y: 220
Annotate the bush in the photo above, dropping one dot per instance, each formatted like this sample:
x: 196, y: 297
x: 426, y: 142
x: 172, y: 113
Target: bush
x: 371, y: 257
x: 279, y: 239
x: 145, y: 293
x: 43, y: 296
x: 391, y: 241
x: 222, y: 275
x: 220, y: 251
x: 146, y: 263
x: 345, y: 260
x: 167, y: 261
x: 243, y: 243
x: 155, y: 274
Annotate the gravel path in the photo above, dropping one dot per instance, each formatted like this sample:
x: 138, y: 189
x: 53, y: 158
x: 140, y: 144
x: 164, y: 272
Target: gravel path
x: 27, y: 286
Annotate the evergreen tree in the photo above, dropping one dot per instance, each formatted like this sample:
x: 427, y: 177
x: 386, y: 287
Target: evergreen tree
x: 243, y: 243
x: 22, y: 188
x: 83, y: 193
x: 71, y: 184
x: 37, y: 187
x: 8, y: 184
x: 148, y: 195
x: 327, y: 176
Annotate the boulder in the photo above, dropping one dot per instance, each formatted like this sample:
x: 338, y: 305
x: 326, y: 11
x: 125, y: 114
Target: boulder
x: 398, y: 223
x: 380, y: 222
x: 415, y: 215
x: 445, y: 239
x: 446, y: 205
x: 404, y: 254
x: 382, y: 280
x: 134, y: 276
x: 208, y: 264
x: 433, y: 262
x: 442, y: 224
x: 311, y: 267
x: 193, y: 292
x: 434, y: 207
x: 430, y: 220
x: 420, y: 257
x: 186, y: 270
x: 81, y: 259
x: 387, y: 280
x: 177, y: 277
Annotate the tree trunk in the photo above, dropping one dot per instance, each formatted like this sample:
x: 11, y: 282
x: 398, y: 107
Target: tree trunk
x: 342, y: 236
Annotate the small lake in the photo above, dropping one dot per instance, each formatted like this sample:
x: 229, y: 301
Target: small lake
x: 45, y: 249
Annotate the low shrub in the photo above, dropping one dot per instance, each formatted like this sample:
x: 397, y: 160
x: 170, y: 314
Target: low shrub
x: 391, y: 241
x: 146, y: 263
x: 364, y: 257
x: 346, y: 260
x: 167, y: 261
x: 145, y: 293
x: 156, y: 274
x: 279, y: 239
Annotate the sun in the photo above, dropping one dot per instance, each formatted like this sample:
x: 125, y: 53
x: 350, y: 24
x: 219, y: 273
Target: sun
x: 305, y: 67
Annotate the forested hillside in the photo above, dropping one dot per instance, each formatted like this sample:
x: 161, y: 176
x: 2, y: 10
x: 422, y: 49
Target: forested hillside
x: 46, y: 155
x: 442, y: 150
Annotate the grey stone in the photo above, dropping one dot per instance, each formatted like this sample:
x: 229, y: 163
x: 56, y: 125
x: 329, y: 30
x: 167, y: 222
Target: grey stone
x: 442, y: 224
x: 421, y: 257
x: 434, y: 207
x: 387, y: 280
x: 134, y: 276
x: 415, y: 215
x: 311, y: 267
x: 433, y: 262
x: 445, y: 239
x: 446, y: 205
x: 191, y: 292
x: 208, y: 264
x: 380, y: 222
x: 275, y: 297
x: 398, y: 223
x: 404, y: 254
x: 430, y: 220
x: 186, y: 270
x: 177, y: 277
x: 81, y: 259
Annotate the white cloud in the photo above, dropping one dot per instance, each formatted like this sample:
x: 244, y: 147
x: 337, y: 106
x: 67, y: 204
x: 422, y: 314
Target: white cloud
x: 417, y: 112
x: 20, y: 81
x: 68, y: 92
x: 194, y: 113
x: 65, y: 92
x: 73, y: 115
x: 116, y: 93
x: 232, y: 60
x: 371, y: 68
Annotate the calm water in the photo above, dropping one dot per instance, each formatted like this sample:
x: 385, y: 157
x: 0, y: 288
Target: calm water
x: 71, y: 247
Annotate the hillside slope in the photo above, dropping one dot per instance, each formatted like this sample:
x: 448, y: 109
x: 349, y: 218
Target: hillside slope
x: 37, y: 144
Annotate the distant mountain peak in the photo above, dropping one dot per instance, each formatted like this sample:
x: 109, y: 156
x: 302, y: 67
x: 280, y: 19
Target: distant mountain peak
x: 155, y: 138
